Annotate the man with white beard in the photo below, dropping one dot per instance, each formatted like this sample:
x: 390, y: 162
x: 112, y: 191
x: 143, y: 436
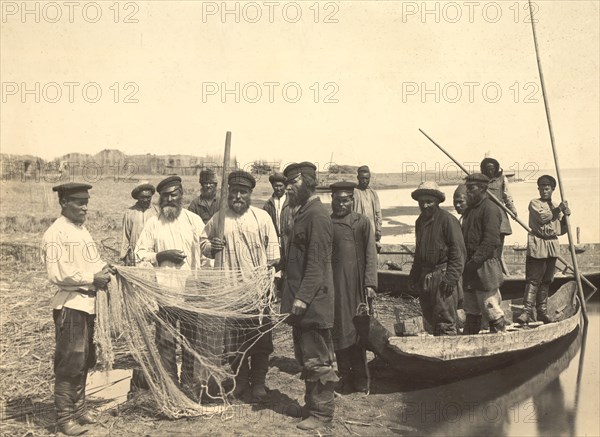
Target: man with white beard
x: 171, y: 240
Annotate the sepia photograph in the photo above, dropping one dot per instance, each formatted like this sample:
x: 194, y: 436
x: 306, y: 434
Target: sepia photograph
x: 310, y: 217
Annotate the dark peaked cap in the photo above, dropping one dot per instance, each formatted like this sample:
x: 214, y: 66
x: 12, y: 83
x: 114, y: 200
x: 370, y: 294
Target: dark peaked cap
x: 304, y: 168
x: 477, y: 178
x: 168, y: 182
x: 276, y: 177
x: 208, y: 175
x: 73, y: 189
x: 142, y: 187
x: 342, y: 186
x: 241, y: 177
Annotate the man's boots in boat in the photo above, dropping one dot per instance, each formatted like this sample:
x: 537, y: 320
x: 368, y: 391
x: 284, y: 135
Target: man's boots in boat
x: 541, y: 306
x: 472, y: 324
x: 498, y: 325
x: 526, y: 316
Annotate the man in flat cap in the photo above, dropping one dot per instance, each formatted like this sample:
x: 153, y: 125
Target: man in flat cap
x: 249, y: 242
x: 171, y: 241
x: 354, y: 264
x: 308, y: 294
x: 135, y: 218
x: 73, y: 264
x: 439, y: 260
x: 482, y: 276
x: 207, y: 203
x: 547, y: 223
x: 366, y: 201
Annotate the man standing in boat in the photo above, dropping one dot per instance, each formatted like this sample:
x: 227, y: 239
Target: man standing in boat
x: 482, y: 276
x: 439, y: 260
x: 354, y: 265
x: 547, y: 222
x: 366, y: 201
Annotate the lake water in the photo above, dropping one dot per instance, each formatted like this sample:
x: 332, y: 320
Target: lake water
x: 582, y: 191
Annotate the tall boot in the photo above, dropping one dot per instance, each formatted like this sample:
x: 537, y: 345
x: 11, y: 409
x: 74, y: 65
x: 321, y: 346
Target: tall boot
x: 344, y: 365
x: 498, y: 325
x: 65, y: 395
x: 259, y: 366
x: 320, y: 402
x: 528, y: 301
x: 541, y: 306
x: 242, y: 379
x: 472, y: 324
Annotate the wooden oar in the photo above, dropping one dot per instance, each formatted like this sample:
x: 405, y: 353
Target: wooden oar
x: 223, y: 200
x: 508, y: 211
x: 555, y: 154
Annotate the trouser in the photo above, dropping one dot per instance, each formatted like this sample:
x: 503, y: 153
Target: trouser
x: 478, y: 302
x: 249, y: 344
x: 313, y: 349
x: 74, y: 356
x: 440, y: 311
x: 539, y: 271
x: 166, y: 344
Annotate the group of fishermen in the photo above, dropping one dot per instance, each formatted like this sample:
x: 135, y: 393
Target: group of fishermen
x: 327, y: 263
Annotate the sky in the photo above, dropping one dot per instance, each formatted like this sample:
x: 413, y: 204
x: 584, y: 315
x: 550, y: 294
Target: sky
x: 349, y: 82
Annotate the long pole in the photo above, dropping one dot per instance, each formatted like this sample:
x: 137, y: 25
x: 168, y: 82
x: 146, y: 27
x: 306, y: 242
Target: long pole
x: 555, y: 154
x: 508, y: 211
x: 223, y: 199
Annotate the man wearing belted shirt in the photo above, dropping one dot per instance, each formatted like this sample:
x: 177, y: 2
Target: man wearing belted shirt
x: 74, y: 266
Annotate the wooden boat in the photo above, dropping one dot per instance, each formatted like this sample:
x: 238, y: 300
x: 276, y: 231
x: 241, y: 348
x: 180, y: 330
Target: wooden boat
x: 453, y: 357
x: 400, y: 256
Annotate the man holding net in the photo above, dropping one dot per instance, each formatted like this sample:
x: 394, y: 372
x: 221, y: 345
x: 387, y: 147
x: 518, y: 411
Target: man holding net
x: 308, y: 294
x: 171, y: 242
x: 74, y: 266
x: 249, y: 242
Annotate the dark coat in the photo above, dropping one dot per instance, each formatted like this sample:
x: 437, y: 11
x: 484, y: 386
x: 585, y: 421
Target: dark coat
x: 481, y: 231
x: 308, y: 274
x: 284, y: 218
x: 354, y: 263
x: 205, y: 208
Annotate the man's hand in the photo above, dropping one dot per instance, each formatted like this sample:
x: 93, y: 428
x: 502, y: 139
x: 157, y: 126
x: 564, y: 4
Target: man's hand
x: 471, y: 267
x: 377, y: 235
x: 217, y: 245
x: 564, y: 207
x: 173, y: 255
x: 370, y: 292
x: 101, y: 279
x: 298, y: 307
x: 446, y: 289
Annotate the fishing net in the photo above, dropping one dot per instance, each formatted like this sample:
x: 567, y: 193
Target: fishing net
x: 213, y: 316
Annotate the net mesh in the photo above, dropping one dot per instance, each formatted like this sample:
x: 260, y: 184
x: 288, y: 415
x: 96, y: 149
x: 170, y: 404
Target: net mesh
x: 212, y: 316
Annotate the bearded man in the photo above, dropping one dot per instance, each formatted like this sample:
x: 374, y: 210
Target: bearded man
x: 206, y: 204
x: 439, y: 260
x: 308, y: 294
x: 249, y: 241
x: 354, y: 263
x: 171, y: 240
x: 482, y: 276
x: 135, y: 219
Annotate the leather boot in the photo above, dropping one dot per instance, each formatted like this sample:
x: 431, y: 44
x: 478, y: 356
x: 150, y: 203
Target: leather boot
x: 498, y: 326
x: 344, y: 365
x: 472, y: 324
x: 242, y: 379
x: 541, y: 306
x: 320, y: 402
x: 71, y: 428
x: 258, y: 373
x: 526, y: 316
